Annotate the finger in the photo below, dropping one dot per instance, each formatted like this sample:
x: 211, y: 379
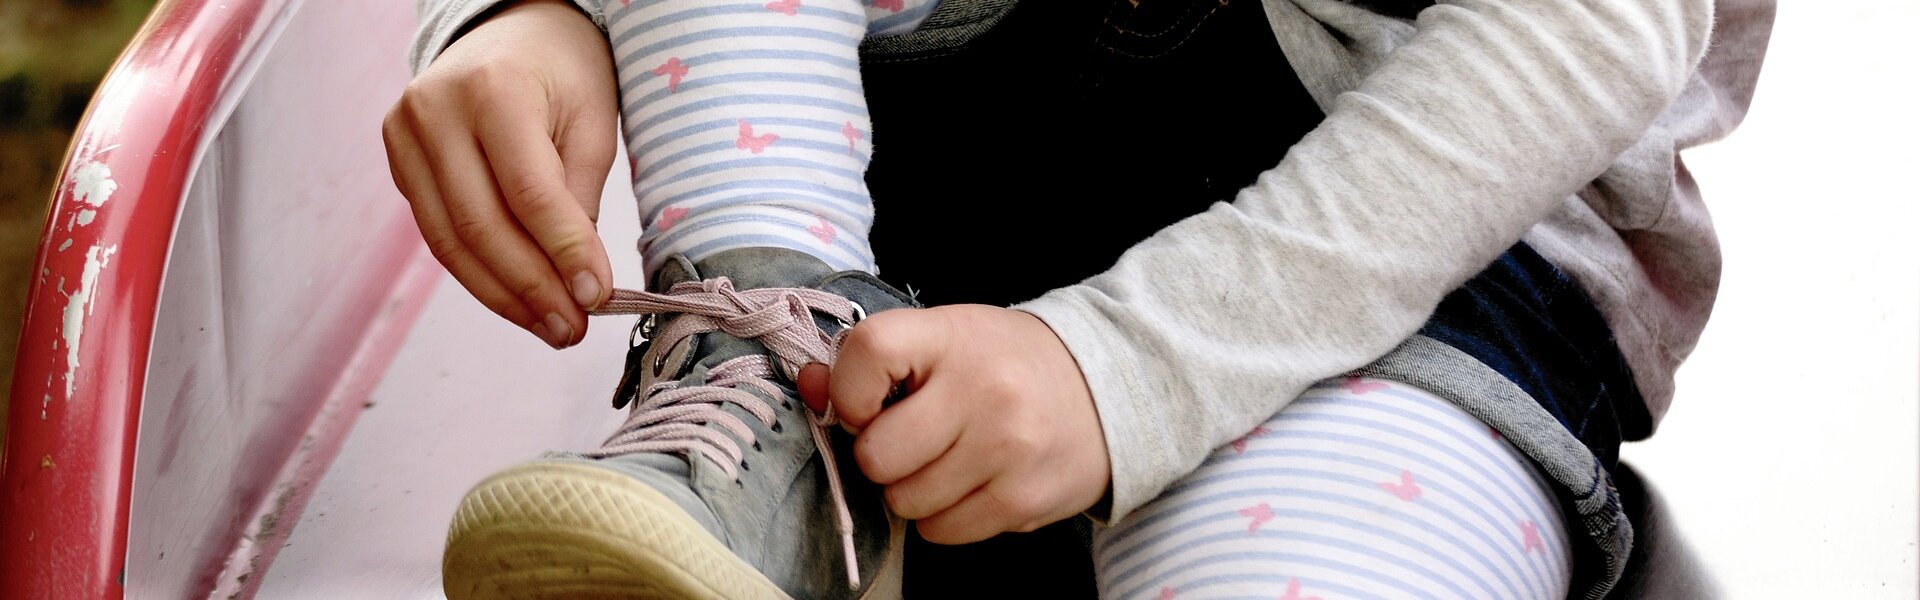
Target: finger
x: 415, y: 180
x: 909, y: 436
x: 479, y: 218
x: 885, y: 350
x: 813, y: 386
x: 984, y: 513
x: 533, y: 182
x: 951, y: 477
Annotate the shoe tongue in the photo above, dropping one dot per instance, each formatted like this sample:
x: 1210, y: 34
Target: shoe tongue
x: 749, y: 268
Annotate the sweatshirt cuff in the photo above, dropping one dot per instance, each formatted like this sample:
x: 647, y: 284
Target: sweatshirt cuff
x: 443, y: 21
x: 1137, y: 433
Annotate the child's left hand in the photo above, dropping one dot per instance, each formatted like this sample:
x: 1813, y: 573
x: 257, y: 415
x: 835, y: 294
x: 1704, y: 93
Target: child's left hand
x: 999, y: 433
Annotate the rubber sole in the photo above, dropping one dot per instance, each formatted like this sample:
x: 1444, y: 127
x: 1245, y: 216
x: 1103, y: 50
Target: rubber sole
x: 551, y: 530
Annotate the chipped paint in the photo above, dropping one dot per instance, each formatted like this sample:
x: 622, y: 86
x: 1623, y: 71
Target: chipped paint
x: 65, y: 244
x: 93, y: 183
x: 79, y: 305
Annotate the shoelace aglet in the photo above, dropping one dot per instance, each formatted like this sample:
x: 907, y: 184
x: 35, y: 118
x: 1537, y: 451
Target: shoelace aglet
x: 853, y: 567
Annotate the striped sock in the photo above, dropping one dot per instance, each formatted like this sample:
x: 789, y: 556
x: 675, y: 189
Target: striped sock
x: 1366, y: 489
x: 747, y: 124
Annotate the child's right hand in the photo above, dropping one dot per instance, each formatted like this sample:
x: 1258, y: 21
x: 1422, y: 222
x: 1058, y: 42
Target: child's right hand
x: 502, y: 146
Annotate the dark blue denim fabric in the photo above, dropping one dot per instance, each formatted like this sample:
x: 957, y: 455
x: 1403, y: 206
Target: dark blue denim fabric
x: 1034, y: 155
x: 1526, y: 319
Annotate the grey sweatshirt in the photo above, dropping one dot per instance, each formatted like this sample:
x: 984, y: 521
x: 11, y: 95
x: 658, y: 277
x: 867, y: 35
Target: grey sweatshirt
x: 1447, y: 139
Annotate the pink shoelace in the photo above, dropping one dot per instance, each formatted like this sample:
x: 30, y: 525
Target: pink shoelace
x: 672, y: 418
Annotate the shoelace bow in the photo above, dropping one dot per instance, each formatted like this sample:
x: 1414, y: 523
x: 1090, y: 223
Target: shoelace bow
x: 672, y: 418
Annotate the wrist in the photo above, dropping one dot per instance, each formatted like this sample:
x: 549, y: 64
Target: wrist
x: 551, y: 8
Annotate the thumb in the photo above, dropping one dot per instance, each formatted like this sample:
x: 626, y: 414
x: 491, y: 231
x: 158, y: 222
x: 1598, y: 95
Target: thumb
x: 813, y: 386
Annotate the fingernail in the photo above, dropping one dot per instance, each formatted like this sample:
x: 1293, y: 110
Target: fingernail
x: 586, y: 289
x: 540, y: 331
x: 562, y: 332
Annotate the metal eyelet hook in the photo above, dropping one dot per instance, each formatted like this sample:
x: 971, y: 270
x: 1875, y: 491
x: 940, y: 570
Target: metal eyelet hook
x: 859, y: 314
x: 642, y: 331
x: 638, y: 341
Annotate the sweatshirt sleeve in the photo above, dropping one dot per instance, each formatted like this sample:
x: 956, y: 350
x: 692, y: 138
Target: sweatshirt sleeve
x: 441, y: 21
x: 1457, y: 143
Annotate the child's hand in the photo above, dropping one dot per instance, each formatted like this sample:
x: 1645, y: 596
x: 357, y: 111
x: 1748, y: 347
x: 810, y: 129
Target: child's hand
x: 999, y: 433
x: 501, y: 146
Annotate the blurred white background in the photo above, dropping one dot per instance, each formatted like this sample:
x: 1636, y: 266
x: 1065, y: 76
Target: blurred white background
x: 1790, y: 455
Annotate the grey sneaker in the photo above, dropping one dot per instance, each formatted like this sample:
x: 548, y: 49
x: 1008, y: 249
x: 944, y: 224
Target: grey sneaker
x: 716, y: 487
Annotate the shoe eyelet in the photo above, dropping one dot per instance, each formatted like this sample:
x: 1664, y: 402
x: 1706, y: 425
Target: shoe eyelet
x: 756, y: 445
x: 776, y: 427
x: 744, y: 467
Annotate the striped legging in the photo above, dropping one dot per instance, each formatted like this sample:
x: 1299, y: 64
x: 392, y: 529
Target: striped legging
x: 1361, y: 489
x: 746, y: 123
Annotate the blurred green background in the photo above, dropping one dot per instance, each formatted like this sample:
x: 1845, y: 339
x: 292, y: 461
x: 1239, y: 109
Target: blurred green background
x: 52, y: 55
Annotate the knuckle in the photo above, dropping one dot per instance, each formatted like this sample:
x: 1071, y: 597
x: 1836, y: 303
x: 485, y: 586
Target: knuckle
x: 470, y: 229
x: 444, y: 248
x: 527, y: 290
x: 416, y: 100
x: 1022, y: 439
x: 533, y: 196
x: 999, y: 386
x: 881, y: 333
x: 392, y: 124
x: 492, y: 75
x: 570, y: 248
x: 498, y: 80
x: 865, y: 339
x: 1021, y: 505
x: 900, y: 501
x: 934, y: 530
